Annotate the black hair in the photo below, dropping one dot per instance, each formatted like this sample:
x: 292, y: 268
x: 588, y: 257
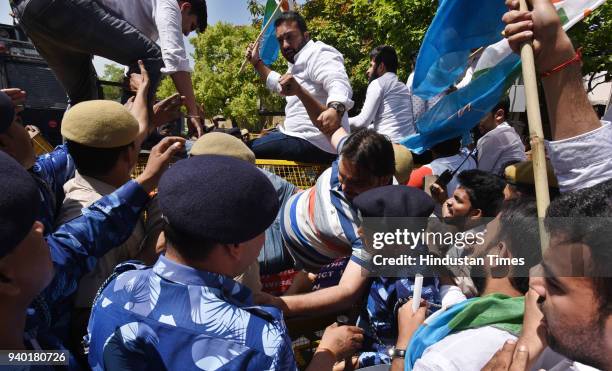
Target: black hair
x: 291, y: 16
x: 585, y: 216
x: 503, y: 104
x: 187, y: 246
x: 449, y: 147
x: 370, y: 151
x: 387, y: 55
x: 92, y: 161
x: 198, y: 8
x: 486, y: 190
x: 519, y: 229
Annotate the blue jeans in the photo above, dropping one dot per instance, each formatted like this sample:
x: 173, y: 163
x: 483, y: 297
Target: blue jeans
x: 67, y: 33
x: 274, y: 257
x: 278, y: 146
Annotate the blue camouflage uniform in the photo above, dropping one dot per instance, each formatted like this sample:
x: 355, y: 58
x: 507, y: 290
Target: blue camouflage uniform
x: 74, y: 247
x: 379, y: 317
x: 174, y: 317
x: 51, y: 171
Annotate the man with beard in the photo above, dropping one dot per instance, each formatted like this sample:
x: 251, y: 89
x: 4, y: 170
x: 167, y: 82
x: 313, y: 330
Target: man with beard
x: 574, y: 286
x: 316, y: 76
x: 387, y: 107
x: 492, y: 318
x: 572, y: 289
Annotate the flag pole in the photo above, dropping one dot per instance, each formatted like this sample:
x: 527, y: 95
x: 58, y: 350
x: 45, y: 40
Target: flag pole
x: 258, y: 39
x: 536, y: 133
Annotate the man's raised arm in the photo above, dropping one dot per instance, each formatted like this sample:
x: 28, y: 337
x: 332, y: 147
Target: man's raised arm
x: 581, y: 146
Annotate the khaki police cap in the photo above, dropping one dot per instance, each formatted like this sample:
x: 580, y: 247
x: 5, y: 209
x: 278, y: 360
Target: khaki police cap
x: 100, y: 124
x: 216, y: 143
x: 403, y: 163
x: 522, y: 173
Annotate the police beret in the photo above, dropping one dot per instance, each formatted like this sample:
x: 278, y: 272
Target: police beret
x: 100, y: 124
x: 395, y: 201
x: 522, y: 173
x: 19, y: 203
x: 222, y: 144
x: 403, y: 163
x: 217, y: 198
x: 7, y: 112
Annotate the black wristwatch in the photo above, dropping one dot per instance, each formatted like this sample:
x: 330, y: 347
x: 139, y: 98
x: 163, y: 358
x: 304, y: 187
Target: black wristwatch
x: 396, y: 353
x: 339, y: 107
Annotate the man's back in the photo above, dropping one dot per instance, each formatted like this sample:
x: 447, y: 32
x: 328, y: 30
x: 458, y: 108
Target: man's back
x: 396, y: 110
x: 140, y: 13
x: 498, y: 147
x: 319, y: 224
x: 388, y: 108
x: 173, y: 317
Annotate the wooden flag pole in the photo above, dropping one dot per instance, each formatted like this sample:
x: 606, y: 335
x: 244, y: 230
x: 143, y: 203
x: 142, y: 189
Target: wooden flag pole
x: 535, y: 132
x: 258, y: 39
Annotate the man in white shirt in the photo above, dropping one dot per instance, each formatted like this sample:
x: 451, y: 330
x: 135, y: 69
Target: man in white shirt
x: 500, y: 143
x: 447, y: 156
x: 319, y: 70
x: 68, y: 33
x: 575, y: 291
x: 387, y: 107
x: 512, y: 234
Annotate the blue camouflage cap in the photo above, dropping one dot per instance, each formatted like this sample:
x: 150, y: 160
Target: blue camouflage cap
x: 217, y: 198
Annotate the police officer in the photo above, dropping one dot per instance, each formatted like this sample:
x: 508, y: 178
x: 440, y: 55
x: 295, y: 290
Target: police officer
x: 50, y: 171
x: 186, y: 311
x: 37, y: 274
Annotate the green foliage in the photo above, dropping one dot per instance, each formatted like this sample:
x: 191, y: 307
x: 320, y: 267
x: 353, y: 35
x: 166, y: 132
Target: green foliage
x: 114, y: 73
x: 594, y: 35
x: 219, y: 53
x: 356, y: 27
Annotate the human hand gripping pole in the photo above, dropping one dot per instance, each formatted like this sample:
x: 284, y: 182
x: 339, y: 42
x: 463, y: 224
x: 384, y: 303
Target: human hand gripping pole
x: 258, y: 39
x: 519, y: 23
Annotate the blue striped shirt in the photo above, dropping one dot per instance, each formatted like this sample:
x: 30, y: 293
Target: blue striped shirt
x: 320, y: 224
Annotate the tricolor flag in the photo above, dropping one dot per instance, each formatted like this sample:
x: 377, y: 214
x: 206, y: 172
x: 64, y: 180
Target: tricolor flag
x: 495, y: 71
x: 268, y: 46
x: 458, y: 27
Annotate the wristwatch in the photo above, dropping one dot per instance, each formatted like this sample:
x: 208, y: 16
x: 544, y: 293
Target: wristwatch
x: 396, y: 353
x: 339, y: 107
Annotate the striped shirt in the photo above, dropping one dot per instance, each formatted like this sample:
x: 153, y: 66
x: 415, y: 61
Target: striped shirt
x: 320, y: 225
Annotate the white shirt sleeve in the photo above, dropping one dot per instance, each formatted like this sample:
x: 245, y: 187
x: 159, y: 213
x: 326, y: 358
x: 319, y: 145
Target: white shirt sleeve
x: 373, y: 100
x: 488, y: 152
x: 451, y: 295
x: 328, y: 70
x: 168, y: 20
x: 582, y: 161
x: 272, y: 82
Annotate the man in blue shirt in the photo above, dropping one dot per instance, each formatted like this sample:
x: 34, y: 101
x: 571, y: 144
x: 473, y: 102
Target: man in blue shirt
x: 50, y: 171
x: 186, y: 311
x: 38, y: 274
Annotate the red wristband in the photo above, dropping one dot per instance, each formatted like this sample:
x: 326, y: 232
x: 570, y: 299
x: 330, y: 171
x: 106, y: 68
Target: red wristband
x: 575, y: 59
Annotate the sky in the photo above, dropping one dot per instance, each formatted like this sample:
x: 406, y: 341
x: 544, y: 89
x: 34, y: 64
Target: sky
x: 231, y: 11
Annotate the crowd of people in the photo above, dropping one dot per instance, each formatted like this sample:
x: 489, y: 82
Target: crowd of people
x: 163, y: 271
